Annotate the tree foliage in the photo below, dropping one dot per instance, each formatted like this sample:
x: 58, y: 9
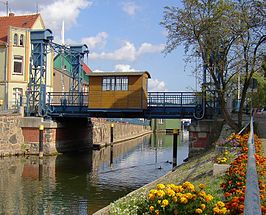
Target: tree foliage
x: 229, y: 37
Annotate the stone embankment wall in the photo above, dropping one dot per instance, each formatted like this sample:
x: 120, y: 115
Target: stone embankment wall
x: 20, y: 135
x: 102, y: 131
x: 11, y: 138
x: 64, y: 135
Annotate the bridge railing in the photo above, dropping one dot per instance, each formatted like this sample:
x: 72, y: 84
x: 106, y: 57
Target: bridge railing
x: 67, y: 98
x: 172, y: 99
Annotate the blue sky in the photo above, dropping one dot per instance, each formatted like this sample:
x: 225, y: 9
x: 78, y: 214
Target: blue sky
x: 122, y: 35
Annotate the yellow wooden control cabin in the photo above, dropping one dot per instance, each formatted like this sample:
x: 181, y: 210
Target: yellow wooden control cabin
x: 118, y: 90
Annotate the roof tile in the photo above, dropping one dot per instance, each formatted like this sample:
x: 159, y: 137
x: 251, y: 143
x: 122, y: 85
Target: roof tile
x: 25, y: 21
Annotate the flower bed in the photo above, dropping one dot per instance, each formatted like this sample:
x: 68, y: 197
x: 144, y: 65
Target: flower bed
x: 182, y: 199
x: 235, y: 177
x: 170, y: 197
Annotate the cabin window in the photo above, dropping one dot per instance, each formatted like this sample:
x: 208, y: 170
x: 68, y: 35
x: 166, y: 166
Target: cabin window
x: 15, y: 39
x: 18, y: 60
x: 124, y: 83
x: 21, y: 40
x: 115, y: 83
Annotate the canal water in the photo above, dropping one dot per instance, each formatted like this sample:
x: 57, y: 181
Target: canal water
x: 83, y: 184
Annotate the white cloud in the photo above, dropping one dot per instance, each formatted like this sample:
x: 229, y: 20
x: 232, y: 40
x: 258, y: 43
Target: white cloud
x: 131, y: 8
x: 98, y: 40
x: 98, y: 70
x: 124, y: 68
x: 59, y: 10
x: 156, y: 85
x: 118, y: 68
x: 149, y: 48
x: 128, y: 52
x: 53, y: 11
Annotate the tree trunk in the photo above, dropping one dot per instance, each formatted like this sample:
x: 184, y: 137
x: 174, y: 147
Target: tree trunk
x: 228, y: 119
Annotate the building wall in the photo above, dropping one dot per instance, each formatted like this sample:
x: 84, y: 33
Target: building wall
x: 62, y: 75
x: 134, y: 97
x: 58, y: 78
x: 3, y: 51
x: 17, y: 83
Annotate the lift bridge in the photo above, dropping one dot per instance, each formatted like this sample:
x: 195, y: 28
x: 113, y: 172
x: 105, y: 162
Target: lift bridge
x: 74, y: 103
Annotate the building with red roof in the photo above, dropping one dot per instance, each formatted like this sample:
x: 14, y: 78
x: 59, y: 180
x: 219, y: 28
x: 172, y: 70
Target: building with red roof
x: 15, y: 52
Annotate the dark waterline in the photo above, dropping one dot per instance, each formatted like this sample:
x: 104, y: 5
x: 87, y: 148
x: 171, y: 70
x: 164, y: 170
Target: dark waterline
x: 83, y: 184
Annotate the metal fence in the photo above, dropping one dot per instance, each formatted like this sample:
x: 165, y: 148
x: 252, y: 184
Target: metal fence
x: 252, y: 193
x: 168, y: 99
x: 67, y: 98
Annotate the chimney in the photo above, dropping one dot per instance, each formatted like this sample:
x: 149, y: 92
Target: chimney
x: 11, y: 14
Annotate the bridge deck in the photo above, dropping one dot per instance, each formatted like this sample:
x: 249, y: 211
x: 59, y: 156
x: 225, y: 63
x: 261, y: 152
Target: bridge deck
x: 160, y: 105
x: 149, y: 113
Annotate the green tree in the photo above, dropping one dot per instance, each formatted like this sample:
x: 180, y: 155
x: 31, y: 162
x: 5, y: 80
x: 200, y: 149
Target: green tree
x: 228, y: 36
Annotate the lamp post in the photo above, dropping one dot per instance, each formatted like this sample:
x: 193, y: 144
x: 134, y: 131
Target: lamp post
x: 6, y: 4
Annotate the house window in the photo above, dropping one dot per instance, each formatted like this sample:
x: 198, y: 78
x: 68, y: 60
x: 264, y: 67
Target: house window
x: 18, y: 60
x: 17, y: 96
x: 115, y: 83
x: 15, y: 39
x: 21, y: 40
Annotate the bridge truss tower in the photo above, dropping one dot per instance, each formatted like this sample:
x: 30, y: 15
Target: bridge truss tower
x: 41, y: 45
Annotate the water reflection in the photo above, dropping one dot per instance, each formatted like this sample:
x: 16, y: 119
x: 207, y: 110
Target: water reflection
x: 82, y: 184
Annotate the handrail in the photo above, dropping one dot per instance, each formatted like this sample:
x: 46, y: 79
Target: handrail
x: 252, y: 193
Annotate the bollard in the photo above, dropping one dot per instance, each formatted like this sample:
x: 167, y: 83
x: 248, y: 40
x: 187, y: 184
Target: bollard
x: 112, y: 134
x: 175, y: 133
x: 41, y: 128
x: 111, y: 140
x: 40, y: 169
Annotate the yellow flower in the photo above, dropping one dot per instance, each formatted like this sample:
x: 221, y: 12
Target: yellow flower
x: 208, y: 198
x: 172, y: 186
x: 159, y: 202
x: 194, y: 196
x: 165, y: 203
x: 188, y: 195
x: 153, y: 191
x: 198, y: 211
x: 178, y: 189
x: 223, y: 210
x: 170, y: 192
x: 216, y: 210
x: 202, y: 193
x: 191, y: 188
x: 174, y: 199
x: 220, y: 204
x: 157, y: 212
x: 201, y: 186
x: 151, y: 208
x: 160, y: 186
x: 203, y: 206
x: 160, y: 193
x: 183, y: 200
x: 179, y: 194
x: 151, y: 196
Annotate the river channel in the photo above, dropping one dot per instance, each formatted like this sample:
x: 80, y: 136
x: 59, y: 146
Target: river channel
x: 83, y: 184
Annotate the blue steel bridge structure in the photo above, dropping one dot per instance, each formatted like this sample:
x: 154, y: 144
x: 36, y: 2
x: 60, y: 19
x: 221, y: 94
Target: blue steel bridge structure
x: 165, y: 105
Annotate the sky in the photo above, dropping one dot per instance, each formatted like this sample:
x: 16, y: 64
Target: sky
x: 122, y: 35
